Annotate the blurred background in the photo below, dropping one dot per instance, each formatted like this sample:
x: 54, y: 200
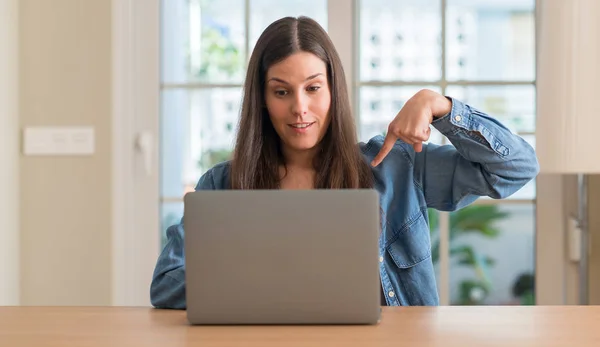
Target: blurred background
x: 155, y: 87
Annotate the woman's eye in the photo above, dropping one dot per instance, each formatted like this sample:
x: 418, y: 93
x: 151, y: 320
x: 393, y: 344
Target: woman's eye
x: 313, y: 88
x: 280, y: 92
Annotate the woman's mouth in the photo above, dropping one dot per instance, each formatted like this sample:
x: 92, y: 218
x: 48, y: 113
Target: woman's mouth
x: 301, y: 127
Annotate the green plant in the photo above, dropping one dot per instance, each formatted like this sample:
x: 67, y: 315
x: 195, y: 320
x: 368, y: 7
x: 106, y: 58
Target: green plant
x: 478, y: 219
x: 219, y: 56
x: 524, y: 289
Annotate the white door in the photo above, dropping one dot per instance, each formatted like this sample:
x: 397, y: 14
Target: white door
x: 479, y: 51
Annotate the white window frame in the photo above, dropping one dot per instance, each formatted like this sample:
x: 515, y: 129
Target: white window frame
x: 135, y: 246
x: 136, y: 196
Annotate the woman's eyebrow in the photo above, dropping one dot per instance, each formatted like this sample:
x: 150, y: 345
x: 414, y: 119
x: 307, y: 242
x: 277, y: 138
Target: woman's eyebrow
x: 283, y: 81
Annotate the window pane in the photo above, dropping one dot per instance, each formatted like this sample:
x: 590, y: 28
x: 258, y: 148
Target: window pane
x: 379, y: 106
x: 197, y: 132
x: 490, y: 40
x: 203, y: 41
x: 174, y: 142
x: 170, y: 214
x: 400, y: 40
x: 264, y: 12
x: 513, y: 105
x: 214, y: 115
x: 492, y: 255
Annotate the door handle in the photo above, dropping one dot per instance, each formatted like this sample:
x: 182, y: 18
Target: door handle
x: 145, y: 144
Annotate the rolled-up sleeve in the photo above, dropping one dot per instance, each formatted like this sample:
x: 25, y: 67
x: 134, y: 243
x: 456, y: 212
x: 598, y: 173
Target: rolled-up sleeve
x: 484, y: 159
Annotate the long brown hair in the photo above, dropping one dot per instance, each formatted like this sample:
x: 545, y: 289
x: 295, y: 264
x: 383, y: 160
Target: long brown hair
x: 257, y: 155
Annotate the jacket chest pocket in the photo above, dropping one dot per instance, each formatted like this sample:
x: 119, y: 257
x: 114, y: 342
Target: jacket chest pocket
x: 412, y: 244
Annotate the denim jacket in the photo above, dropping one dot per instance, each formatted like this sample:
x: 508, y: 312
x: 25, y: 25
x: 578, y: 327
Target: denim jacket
x: 485, y: 159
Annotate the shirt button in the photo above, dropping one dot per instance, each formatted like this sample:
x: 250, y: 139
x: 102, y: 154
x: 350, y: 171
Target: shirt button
x: 391, y: 294
x: 457, y: 118
x: 381, y: 259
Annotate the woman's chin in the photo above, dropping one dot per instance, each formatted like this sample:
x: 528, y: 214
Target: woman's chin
x: 301, y: 144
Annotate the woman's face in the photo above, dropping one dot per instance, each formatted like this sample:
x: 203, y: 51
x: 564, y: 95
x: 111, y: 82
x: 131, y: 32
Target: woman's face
x: 298, y: 99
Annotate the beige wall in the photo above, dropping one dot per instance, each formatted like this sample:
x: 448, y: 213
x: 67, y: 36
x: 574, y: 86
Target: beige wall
x: 65, y: 75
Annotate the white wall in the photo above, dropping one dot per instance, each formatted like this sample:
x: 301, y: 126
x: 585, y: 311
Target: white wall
x: 9, y: 153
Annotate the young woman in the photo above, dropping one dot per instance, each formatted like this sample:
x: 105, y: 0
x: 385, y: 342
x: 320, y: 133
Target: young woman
x: 297, y: 131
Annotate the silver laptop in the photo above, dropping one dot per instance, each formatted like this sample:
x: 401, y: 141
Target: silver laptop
x: 282, y: 257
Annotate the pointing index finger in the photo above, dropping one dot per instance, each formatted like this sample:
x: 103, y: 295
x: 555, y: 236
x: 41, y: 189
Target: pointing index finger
x: 387, y: 146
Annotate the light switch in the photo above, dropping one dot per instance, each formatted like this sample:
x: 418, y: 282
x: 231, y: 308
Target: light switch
x: 58, y: 141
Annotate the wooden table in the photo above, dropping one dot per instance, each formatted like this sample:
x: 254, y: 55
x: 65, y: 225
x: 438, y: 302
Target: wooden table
x: 407, y: 326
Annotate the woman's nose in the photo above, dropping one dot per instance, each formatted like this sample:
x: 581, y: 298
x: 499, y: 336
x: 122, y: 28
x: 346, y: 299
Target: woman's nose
x: 300, y: 105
